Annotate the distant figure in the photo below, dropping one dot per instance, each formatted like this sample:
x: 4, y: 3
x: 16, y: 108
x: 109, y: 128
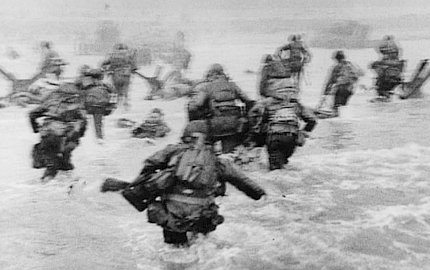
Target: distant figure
x: 64, y: 123
x: 97, y: 97
x: 51, y: 63
x: 389, y: 49
x: 120, y: 65
x: 153, y: 127
x: 298, y: 56
x: 341, y: 82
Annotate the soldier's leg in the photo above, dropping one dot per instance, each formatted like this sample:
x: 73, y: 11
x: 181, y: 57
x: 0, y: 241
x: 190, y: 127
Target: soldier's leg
x: 51, y: 147
x: 289, y: 145
x: 98, y: 124
x: 276, y: 156
x: 176, y: 238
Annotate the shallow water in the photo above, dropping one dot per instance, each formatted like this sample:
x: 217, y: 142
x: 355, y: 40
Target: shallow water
x: 356, y: 196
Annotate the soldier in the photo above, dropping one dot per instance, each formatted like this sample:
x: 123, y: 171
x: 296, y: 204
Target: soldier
x: 341, y: 82
x: 225, y: 105
x: 51, y: 63
x: 179, y: 184
x: 120, y: 64
x: 298, y: 56
x: 153, y: 127
x: 98, y: 99
x: 276, y: 120
x: 64, y: 123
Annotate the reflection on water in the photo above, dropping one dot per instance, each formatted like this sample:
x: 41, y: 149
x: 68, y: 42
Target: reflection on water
x: 341, y: 135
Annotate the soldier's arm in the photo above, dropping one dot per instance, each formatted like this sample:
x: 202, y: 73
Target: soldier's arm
x: 34, y: 115
x: 242, y: 96
x: 331, y: 80
x: 263, y: 81
x: 307, y: 115
x: 198, y: 101
x: 160, y: 159
x: 229, y: 173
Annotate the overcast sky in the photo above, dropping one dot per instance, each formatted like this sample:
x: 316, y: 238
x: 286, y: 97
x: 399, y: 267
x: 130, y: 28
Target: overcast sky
x: 135, y: 9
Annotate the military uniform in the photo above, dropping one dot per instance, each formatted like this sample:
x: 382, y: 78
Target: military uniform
x: 226, y: 106
x: 389, y: 75
x: 64, y: 123
x: 341, y: 83
x: 179, y: 184
x: 121, y: 65
x: 277, y: 121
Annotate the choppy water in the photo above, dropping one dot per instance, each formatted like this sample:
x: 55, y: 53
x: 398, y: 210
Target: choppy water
x: 356, y: 196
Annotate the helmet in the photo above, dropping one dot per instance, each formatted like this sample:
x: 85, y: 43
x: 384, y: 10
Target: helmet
x: 83, y: 70
x: 45, y: 44
x: 193, y: 127
x: 96, y: 73
x: 339, y: 55
x: 120, y: 46
x: 267, y: 58
x: 215, y: 69
x: 157, y: 110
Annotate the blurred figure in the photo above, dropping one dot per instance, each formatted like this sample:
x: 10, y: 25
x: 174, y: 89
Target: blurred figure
x: 389, y: 69
x: 120, y: 65
x: 298, y: 56
x: 153, y: 127
x: 97, y: 97
x: 389, y: 49
x: 51, y: 62
x: 179, y: 184
x: 275, y: 122
x: 64, y: 123
x: 224, y: 105
x: 341, y: 82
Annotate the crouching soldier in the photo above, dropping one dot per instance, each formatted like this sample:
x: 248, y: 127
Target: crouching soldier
x: 63, y: 125
x: 153, y: 127
x: 99, y: 99
x: 179, y: 184
x: 276, y: 120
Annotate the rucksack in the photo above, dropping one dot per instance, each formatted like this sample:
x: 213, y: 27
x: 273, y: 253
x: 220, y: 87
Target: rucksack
x: 279, y: 69
x: 348, y: 74
x: 197, y: 168
x: 225, y: 110
x: 98, y: 95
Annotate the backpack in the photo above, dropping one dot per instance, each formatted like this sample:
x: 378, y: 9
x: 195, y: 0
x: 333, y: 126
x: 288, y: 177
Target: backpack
x: 97, y: 95
x: 279, y: 69
x: 225, y: 111
x: 62, y: 105
x: 348, y: 74
x: 197, y: 168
